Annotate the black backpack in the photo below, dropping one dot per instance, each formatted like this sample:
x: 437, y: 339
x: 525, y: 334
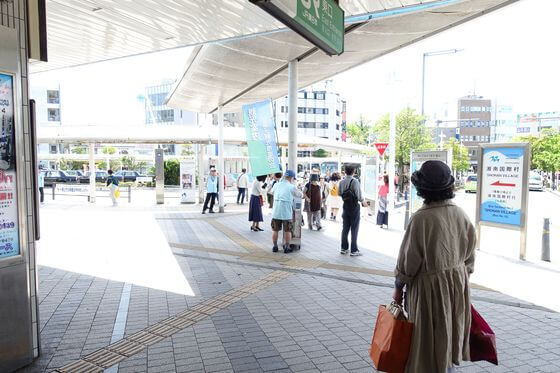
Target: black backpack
x: 348, y: 196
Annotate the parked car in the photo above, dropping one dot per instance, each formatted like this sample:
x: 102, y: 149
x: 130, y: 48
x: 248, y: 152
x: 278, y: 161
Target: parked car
x: 76, y: 173
x: 57, y: 176
x: 132, y: 176
x: 536, y: 182
x: 100, y: 177
x: 471, y: 184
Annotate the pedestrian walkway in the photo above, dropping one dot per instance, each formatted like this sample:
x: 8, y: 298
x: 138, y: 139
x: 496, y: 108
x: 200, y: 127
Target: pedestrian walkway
x: 222, y: 301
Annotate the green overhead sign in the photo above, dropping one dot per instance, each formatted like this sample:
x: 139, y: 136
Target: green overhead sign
x: 321, y: 22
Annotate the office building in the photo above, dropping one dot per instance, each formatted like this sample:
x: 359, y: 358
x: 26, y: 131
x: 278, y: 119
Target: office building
x: 534, y: 123
x: 320, y: 112
x: 503, y: 125
x: 475, y: 115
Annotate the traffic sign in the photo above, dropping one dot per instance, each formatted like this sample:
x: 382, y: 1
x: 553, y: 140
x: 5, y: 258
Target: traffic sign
x: 381, y: 147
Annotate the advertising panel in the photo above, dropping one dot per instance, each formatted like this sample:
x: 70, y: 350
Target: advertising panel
x: 261, y: 138
x: 370, y: 182
x: 188, y: 181
x: 9, y: 229
x: 502, y: 185
x: 416, y: 161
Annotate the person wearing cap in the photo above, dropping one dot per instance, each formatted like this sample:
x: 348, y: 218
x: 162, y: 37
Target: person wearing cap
x: 435, y: 261
x: 282, y: 211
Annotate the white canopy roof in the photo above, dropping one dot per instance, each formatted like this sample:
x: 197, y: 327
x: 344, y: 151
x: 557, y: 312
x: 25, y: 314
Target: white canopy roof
x: 241, y: 71
x: 86, y: 31
x: 172, y: 135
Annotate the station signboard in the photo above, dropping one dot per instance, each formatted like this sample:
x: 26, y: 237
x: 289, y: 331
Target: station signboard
x: 321, y: 22
x: 502, y: 188
x: 416, y: 161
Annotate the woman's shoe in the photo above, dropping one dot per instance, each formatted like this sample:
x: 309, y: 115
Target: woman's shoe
x: 254, y: 229
x: 259, y: 229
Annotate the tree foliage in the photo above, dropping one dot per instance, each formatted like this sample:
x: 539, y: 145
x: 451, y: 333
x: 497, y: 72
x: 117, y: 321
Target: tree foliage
x: 411, y: 134
x: 545, y: 150
x: 321, y: 153
x: 79, y: 150
x: 359, y: 131
x: 109, y: 150
x: 187, y: 150
x: 130, y: 163
x: 171, y: 171
x: 460, y: 155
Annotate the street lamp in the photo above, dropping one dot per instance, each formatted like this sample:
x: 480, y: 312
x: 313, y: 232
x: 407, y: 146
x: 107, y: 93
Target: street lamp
x: 430, y: 54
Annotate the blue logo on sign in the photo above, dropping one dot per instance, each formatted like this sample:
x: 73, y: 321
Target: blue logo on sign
x: 495, y: 158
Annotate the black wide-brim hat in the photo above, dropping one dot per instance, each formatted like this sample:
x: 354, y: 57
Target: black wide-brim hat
x: 433, y: 176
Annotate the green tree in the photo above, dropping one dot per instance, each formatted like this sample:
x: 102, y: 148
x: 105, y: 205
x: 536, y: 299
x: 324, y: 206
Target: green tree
x: 360, y: 130
x: 411, y: 134
x: 101, y: 165
x: 531, y: 140
x: 171, y: 172
x: 321, y: 153
x: 460, y: 155
x: 63, y: 164
x: 79, y: 150
x: 187, y: 150
x: 109, y: 150
x: 115, y: 164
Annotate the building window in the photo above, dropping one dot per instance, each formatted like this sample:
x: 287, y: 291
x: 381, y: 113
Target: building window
x: 337, y: 113
x: 324, y: 125
x: 53, y: 97
x: 161, y: 116
x: 53, y: 149
x: 319, y: 95
x: 309, y: 110
x: 301, y: 110
x: 157, y: 99
x: 338, y: 126
x: 54, y: 114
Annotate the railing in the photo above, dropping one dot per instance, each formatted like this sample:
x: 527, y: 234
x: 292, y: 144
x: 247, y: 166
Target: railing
x: 82, y: 190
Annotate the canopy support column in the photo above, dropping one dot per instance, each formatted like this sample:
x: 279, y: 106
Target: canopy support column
x: 292, y: 115
x: 221, y: 167
x: 91, y: 173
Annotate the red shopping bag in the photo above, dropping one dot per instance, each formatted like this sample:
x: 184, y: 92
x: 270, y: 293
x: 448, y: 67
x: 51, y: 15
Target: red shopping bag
x: 482, y: 340
x: 391, y: 341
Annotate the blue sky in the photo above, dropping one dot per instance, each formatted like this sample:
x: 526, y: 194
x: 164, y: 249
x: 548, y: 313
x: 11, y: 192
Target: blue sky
x: 511, y: 56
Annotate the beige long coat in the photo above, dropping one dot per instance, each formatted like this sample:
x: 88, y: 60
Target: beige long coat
x: 435, y: 260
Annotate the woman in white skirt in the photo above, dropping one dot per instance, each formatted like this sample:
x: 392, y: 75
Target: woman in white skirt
x: 334, y: 201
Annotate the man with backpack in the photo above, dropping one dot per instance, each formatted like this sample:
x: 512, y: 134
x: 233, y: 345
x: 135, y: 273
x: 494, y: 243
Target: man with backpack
x: 350, y: 191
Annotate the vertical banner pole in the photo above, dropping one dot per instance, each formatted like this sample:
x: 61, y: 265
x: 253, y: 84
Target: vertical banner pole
x: 221, y: 167
x: 292, y: 114
x: 392, y: 155
x: 91, y: 173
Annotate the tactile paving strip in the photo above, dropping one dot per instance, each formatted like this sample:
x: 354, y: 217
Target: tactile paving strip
x: 134, y: 343
x: 104, y: 358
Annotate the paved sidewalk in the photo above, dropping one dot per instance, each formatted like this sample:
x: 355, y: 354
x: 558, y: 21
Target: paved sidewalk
x: 175, y: 291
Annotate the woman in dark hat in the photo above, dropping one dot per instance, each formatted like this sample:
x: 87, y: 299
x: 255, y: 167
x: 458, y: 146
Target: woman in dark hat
x: 435, y: 261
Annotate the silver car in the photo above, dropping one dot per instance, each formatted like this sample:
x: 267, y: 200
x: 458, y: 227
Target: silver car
x: 536, y: 182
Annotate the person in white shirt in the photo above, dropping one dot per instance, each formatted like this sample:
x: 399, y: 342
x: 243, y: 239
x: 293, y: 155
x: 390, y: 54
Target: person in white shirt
x: 256, y: 202
x: 241, y: 186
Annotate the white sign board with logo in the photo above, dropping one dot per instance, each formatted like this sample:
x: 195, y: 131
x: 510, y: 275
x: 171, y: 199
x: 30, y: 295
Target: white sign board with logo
x: 187, y: 181
x: 502, y: 188
x: 416, y: 161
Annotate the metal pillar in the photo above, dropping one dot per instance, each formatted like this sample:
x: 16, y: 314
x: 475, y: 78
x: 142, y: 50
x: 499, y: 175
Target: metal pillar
x: 392, y: 153
x: 221, y: 167
x: 545, y: 250
x: 292, y: 115
x: 160, y: 177
x: 423, y: 79
x: 201, y: 153
x: 91, y: 173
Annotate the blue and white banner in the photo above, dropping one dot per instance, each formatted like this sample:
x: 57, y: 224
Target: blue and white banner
x: 261, y: 138
x: 502, y: 185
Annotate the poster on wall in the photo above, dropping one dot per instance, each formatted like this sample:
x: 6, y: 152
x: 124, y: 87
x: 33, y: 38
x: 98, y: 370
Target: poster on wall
x: 9, y: 230
x: 188, y: 181
x: 502, y: 185
x: 416, y: 161
x: 261, y: 138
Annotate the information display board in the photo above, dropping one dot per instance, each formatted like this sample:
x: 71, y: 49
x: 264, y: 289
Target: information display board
x: 370, y: 181
x: 502, y: 184
x: 9, y: 227
x: 188, y: 181
x: 502, y: 188
x: 416, y: 161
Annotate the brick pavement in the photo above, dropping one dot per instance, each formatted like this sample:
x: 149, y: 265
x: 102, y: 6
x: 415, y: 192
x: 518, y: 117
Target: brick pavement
x: 312, y: 317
